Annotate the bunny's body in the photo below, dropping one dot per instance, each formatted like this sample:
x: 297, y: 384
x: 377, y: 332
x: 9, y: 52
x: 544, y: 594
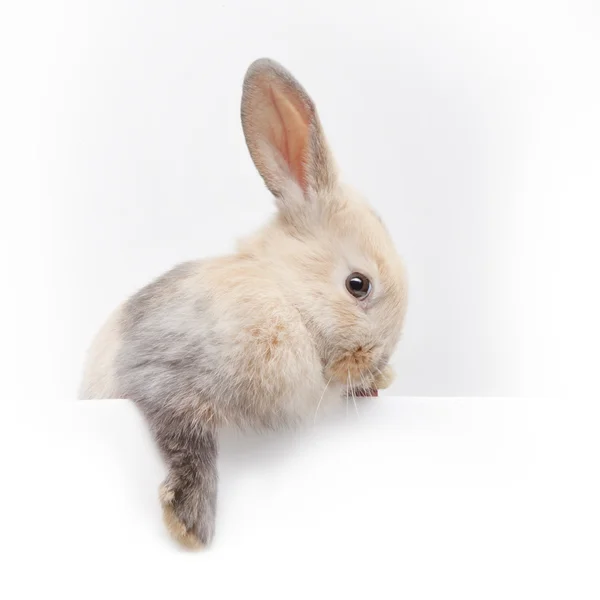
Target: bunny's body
x: 310, y: 306
x: 215, y: 338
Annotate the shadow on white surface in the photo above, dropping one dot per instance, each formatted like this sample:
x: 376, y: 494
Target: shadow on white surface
x: 412, y: 495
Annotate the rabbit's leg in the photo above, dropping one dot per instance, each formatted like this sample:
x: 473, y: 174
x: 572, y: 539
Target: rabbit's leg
x: 189, y: 493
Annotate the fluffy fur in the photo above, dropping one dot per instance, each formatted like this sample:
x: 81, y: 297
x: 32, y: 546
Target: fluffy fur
x: 265, y: 336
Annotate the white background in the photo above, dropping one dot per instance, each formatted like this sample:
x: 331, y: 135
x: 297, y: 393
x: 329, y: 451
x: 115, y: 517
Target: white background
x: 474, y: 128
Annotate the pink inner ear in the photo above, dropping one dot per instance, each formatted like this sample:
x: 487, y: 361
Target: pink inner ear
x: 289, y: 133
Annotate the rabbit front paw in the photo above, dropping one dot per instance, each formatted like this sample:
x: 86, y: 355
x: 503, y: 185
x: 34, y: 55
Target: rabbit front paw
x: 384, y: 378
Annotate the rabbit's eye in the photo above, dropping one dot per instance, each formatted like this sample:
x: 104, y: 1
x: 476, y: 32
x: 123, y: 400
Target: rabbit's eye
x: 358, y: 285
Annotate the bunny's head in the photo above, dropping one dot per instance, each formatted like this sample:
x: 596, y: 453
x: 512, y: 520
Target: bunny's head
x: 331, y: 252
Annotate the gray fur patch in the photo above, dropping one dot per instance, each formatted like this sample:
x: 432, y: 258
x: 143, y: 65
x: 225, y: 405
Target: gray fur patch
x: 158, y: 367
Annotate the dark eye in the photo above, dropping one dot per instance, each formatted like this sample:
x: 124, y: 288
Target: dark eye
x: 358, y: 285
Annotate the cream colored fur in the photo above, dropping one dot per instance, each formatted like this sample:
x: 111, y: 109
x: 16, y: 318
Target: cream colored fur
x: 98, y: 375
x: 286, y: 281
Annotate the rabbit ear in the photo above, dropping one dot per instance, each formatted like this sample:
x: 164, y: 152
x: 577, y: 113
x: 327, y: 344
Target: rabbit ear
x: 283, y: 132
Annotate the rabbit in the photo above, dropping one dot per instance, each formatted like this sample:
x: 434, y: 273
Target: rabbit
x: 307, y: 310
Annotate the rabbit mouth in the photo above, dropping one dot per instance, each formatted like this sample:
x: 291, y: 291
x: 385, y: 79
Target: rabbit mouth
x: 354, y: 369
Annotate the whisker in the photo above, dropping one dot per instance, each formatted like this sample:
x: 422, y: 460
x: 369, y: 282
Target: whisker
x: 364, y: 382
x: 379, y: 372
x: 373, y: 377
x: 321, y: 398
x: 354, y: 400
x: 347, y: 391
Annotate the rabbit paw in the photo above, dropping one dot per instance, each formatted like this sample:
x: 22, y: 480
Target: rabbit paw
x: 384, y: 378
x: 175, y: 521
